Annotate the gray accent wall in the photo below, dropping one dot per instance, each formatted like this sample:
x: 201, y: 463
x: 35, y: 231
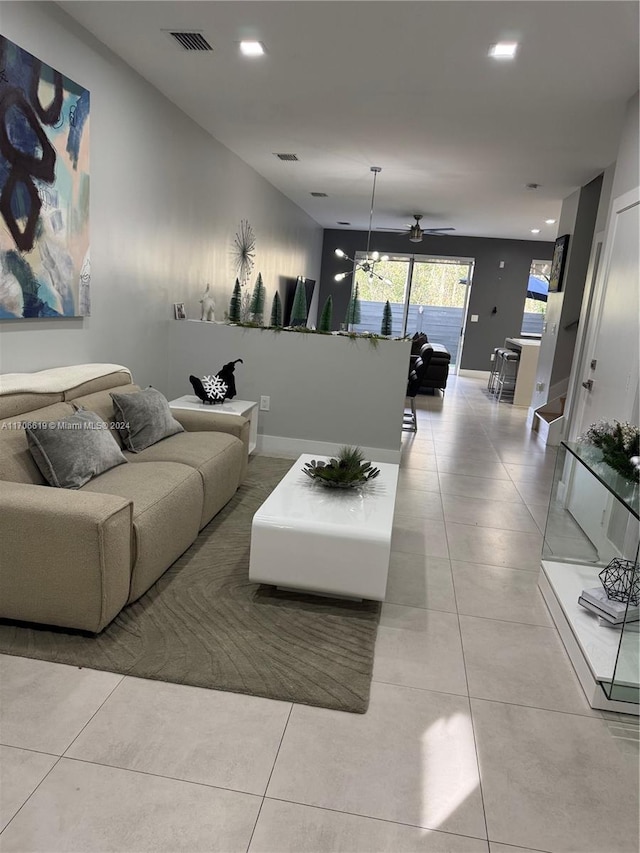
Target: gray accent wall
x: 557, y: 345
x: 503, y: 288
x: 166, y: 202
x: 574, y: 279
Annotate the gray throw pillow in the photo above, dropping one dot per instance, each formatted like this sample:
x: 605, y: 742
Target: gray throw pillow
x: 146, y: 417
x: 72, y: 451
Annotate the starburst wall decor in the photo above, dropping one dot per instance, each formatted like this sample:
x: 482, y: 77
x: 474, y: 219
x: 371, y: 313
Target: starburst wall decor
x: 244, y: 251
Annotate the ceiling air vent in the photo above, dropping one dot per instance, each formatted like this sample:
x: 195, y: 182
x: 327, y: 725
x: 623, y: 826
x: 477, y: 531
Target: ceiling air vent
x: 290, y: 157
x: 191, y: 41
x: 319, y: 195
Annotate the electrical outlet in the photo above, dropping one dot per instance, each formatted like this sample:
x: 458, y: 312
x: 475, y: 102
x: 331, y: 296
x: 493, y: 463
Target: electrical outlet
x: 265, y: 404
x: 493, y: 356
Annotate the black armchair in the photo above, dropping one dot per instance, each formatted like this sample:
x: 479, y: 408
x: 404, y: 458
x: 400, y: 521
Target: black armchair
x: 417, y: 371
x: 438, y: 371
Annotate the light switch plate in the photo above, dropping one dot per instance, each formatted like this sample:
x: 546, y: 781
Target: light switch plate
x: 474, y: 318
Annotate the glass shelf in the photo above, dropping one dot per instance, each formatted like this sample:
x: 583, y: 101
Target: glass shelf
x: 621, y: 488
x: 592, y: 519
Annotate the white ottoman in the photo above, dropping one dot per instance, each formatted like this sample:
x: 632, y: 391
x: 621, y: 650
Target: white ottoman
x: 330, y: 541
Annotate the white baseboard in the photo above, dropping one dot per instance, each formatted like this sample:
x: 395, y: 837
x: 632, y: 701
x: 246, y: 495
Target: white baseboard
x: 291, y: 448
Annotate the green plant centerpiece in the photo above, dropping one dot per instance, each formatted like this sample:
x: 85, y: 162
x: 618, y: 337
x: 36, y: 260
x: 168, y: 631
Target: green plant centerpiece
x: 619, y: 443
x: 347, y: 471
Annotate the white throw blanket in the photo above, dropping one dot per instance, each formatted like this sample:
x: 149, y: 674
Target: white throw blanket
x: 57, y: 379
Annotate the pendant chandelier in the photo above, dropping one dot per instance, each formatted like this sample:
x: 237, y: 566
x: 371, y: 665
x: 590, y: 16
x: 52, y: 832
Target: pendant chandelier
x: 372, y: 258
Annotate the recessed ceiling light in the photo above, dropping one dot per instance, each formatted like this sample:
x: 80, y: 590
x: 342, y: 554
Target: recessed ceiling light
x: 535, y: 230
x: 251, y: 48
x: 503, y: 50
x: 550, y: 222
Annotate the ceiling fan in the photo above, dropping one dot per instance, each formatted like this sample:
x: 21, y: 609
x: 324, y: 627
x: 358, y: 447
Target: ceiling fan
x: 415, y: 233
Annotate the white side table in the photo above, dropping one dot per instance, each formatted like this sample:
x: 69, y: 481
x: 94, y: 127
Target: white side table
x: 244, y: 408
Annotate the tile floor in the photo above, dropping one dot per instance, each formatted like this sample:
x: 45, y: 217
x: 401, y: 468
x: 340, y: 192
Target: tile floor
x: 478, y: 738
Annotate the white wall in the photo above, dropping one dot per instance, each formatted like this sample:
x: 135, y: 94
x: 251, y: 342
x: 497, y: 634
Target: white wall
x: 621, y: 399
x: 627, y: 174
x: 166, y: 202
x: 324, y: 389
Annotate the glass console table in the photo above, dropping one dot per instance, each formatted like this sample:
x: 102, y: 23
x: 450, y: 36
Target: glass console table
x: 592, y: 518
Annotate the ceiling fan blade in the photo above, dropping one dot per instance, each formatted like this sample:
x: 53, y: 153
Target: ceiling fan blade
x: 436, y: 230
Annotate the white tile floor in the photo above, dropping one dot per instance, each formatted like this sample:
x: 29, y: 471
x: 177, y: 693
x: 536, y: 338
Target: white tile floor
x: 478, y: 737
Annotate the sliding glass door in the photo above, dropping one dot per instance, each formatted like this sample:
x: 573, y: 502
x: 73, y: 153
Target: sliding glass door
x: 426, y: 294
x: 438, y: 300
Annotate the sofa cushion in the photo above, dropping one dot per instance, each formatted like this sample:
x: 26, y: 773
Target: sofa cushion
x: 167, y: 507
x: 16, y: 462
x: 117, y: 379
x: 147, y: 418
x: 25, y: 392
x: 22, y: 402
x: 218, y: 457
x: 70, y: 451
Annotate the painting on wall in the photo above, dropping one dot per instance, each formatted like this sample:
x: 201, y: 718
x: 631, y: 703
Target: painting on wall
x: 45, y: 269
x: 558, y: 263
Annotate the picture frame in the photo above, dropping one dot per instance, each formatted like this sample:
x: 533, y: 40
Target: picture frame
x: 179, y: 311
x: 558, y: 263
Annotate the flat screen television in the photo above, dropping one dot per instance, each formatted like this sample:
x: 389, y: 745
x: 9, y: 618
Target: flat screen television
x: 290, y: 292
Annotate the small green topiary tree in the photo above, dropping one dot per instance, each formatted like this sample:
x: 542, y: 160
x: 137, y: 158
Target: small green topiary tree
x: 387, y: 320
x: 327, y: 316
x: 276, y: 311
x: 235, y: 306
x: 299, y: 310
x: 256, y: 306
x: 353, y: 310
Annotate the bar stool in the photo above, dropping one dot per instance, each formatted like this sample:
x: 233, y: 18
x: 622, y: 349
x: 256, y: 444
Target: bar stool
x: 508, y: 373
x: 495, y: 369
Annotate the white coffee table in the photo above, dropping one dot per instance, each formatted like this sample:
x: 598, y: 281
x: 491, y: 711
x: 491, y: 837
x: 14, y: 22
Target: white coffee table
x: 329, y: 541
x: 245, y: 408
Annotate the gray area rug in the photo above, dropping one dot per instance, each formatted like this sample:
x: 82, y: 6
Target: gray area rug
x: 205, y: 624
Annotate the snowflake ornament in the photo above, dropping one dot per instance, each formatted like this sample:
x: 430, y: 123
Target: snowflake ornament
x: 215, y: 387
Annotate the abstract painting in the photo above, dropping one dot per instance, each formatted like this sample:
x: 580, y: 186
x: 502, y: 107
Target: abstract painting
x: 45, y: 269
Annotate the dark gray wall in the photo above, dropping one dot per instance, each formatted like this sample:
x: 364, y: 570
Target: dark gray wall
x: 574, y: 278
x: 505, y: 289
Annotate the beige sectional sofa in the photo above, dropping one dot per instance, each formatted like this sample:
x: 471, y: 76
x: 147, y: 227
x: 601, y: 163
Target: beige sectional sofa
x: 75, y: 558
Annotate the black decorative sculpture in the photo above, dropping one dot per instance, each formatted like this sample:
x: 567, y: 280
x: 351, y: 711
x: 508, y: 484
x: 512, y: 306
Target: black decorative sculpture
x: 210, y: 394
x: 218, y: 388
x: 621, y: 581
x: 226, y: 375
